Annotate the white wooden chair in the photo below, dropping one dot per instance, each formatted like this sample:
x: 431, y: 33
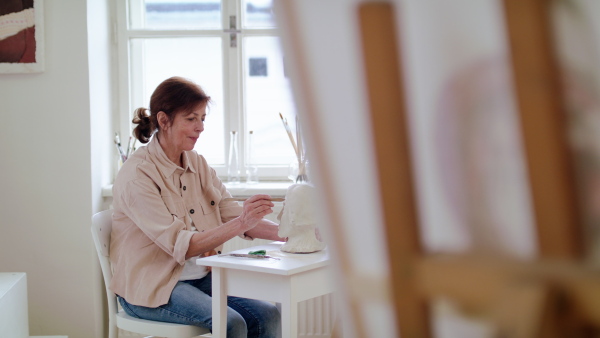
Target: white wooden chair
x: 101, y: 229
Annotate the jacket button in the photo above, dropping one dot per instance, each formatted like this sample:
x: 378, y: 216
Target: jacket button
x: 212, y: 202
x: 192, y: 211
x: 184, y: 188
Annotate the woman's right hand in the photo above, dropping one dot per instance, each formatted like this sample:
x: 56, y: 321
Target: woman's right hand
x: 255, y: 208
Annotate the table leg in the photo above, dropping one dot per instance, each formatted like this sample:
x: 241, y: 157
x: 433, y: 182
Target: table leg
x: 289, y: 315
x: 280, y: 308
x: 219, y: 303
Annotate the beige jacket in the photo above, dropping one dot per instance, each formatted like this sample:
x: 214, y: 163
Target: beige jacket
x: 155, y: 203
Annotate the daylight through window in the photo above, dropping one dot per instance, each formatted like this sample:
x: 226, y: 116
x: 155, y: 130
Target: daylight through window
x: 231, y: 48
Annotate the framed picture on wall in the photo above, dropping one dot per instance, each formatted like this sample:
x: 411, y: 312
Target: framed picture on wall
x: 21, y: 36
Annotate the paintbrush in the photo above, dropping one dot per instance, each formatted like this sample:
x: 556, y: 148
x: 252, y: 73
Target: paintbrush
x: 119, y: 149
x: 289, y: 132
x: 242, y: 199
x: 299, y: 140
x: 133, y: 146
x: 128, y: 147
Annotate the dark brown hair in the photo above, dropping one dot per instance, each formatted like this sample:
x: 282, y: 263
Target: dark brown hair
x: 173, y: 96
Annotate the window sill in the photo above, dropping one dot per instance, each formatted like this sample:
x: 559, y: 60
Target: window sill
x: 275, y: 189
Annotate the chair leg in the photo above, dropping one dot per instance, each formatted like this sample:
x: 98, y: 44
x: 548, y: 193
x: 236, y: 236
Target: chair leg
x: 112, y: 330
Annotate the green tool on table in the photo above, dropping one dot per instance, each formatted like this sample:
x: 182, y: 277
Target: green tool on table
x: 258, y: 252
x: 252, y: 254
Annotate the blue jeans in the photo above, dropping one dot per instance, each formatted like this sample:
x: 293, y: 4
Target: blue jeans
x: 191, y: 304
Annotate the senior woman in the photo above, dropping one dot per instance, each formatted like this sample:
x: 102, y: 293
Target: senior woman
x: 169, y: 210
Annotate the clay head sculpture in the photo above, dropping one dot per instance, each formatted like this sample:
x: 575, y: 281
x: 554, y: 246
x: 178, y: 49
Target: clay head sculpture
x: 298, y: 221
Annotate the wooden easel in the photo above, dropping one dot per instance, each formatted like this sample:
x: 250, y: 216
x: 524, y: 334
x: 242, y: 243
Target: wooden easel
x: 392, y: 150
x: 554, y: 296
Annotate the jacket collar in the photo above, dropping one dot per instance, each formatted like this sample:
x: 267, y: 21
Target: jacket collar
x: 163, y: 163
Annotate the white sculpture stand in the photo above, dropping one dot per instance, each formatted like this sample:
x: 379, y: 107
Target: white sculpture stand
x: 297, y: 220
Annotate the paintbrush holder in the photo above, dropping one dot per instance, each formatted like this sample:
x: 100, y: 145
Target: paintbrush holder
x: 302, y: 172
x: 298, y: 172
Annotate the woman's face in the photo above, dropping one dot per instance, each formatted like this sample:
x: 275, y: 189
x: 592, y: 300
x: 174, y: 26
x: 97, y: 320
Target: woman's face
x: 184, y: 130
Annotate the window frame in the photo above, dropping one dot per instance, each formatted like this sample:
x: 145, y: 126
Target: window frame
x: 233, y: 78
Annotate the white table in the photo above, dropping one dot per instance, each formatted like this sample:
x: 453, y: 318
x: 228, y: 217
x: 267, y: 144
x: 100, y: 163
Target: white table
x: 287, y: 281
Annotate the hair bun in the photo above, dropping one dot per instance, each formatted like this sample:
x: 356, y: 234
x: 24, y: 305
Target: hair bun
x: 145, y: 126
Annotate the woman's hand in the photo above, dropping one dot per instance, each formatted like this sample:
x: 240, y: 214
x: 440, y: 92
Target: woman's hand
x: 255, y: 208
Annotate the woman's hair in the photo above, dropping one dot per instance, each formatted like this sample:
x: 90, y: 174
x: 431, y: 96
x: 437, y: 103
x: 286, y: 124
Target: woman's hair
x: 173, y: 96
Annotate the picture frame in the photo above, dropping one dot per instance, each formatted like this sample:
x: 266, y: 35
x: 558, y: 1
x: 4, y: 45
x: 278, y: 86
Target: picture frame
x: 22, y: 37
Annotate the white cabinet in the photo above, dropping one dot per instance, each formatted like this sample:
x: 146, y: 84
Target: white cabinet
x: 13, y: 305
x: 14, y: 321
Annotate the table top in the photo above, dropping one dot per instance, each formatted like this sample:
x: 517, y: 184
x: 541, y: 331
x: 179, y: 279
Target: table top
x: 287, y: 264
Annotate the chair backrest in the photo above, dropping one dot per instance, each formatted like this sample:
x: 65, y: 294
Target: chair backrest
x: 101, y: 229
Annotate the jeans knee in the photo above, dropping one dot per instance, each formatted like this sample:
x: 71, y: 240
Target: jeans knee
x: 236, y: 326
x: 271, y: 323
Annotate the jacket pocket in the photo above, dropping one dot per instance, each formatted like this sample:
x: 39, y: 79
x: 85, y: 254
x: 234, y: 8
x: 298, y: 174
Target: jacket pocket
x: 210, y: 202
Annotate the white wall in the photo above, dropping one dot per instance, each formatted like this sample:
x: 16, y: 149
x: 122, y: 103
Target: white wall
x: 48, y: 189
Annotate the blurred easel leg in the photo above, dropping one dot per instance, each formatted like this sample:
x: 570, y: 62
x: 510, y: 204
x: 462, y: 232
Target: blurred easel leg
x: 544, y: 127
x: 394, y: 163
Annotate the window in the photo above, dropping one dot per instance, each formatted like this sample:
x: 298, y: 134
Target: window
x: 232, y: 50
